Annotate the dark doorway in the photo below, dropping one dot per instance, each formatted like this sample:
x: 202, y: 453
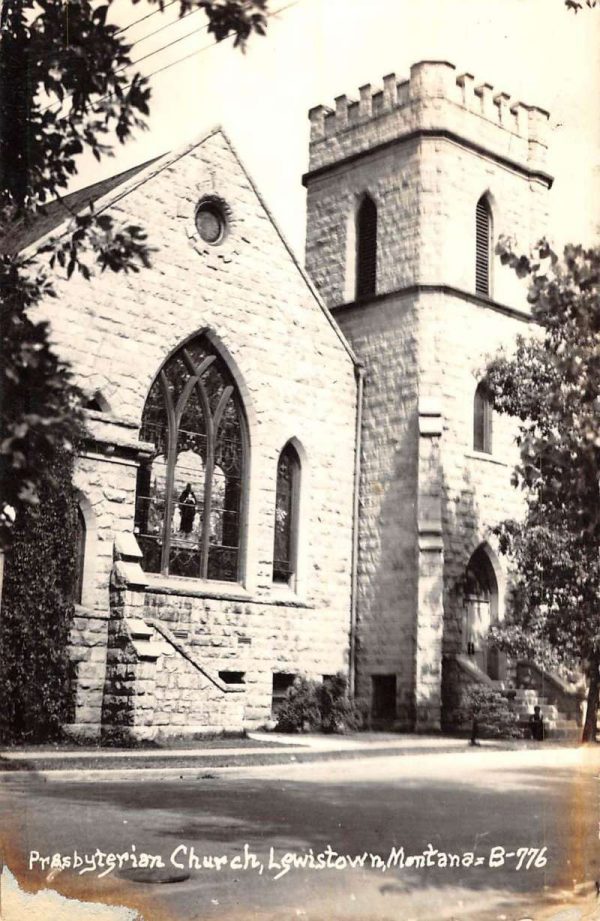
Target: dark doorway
x: 383, y: 698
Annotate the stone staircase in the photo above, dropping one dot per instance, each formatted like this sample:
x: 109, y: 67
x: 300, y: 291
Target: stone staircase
x: 559, y: 702
x: 556, y: 724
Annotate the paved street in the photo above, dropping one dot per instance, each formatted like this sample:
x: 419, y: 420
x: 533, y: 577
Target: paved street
x: 380, y: 811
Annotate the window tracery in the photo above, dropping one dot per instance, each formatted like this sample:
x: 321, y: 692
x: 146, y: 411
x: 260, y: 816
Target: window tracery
x: 189, y: 498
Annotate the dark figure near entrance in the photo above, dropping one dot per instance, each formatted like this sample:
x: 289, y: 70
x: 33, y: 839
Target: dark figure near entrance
x: 536, y: 725
x: 187, y: 509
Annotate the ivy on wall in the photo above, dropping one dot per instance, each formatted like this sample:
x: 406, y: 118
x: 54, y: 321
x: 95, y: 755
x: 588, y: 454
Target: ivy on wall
x: 37, y: 611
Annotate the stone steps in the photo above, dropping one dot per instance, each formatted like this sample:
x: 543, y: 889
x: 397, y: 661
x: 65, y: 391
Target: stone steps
x: 556, y: 724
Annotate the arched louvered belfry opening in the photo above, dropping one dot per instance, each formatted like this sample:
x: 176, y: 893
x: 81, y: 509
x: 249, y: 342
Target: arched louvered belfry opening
x: 366, y: 248
x: 483, y: 246
x: 482, y: 419
x: 189, y: 498
x: 287, y: 500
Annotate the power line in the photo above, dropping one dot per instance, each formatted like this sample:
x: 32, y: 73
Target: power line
x: 147, y: 16
x: 179, y: 60
x: 167, y: 25
x: 185, y: 57
x: 163, y: 48
x: 137, y: 41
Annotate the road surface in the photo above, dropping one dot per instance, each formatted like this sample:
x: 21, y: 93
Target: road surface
x: 475, y: 835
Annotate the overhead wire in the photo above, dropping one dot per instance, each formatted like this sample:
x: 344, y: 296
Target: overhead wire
x: 168, y: 45
x: 167, y: 25
x: 143, y: 38
x: 146, y: 16
x: 185, y: 57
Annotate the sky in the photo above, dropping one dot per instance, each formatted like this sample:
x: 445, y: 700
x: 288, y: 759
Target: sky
x: 536, y: 50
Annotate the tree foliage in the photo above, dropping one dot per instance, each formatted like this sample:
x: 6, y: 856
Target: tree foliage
x: 37, y: 611
x: 66, y: 87
x: 551, y: 383
x: 577, y: 5
x: 493, y: 715
x: 315, y: 706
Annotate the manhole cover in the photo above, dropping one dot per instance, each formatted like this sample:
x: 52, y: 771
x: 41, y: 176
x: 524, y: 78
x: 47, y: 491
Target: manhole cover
x: 154, y: 875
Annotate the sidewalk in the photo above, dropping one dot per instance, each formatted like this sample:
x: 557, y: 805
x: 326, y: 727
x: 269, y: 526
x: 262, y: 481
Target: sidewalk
x: 94, y: 764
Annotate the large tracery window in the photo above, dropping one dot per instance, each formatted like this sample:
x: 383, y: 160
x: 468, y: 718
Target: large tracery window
x: 189, y: 498
x: 286, y: 516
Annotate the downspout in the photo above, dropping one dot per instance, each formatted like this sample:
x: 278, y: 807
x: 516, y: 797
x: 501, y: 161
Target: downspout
x: 360, y: 378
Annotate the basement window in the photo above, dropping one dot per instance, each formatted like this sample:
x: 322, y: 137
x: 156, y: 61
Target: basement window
x: 232, y: 677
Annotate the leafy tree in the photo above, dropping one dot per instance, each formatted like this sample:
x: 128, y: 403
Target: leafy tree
x: 65, y: 87
x: 37, y: 611
x: 577, y: 5
x: 552, y: 385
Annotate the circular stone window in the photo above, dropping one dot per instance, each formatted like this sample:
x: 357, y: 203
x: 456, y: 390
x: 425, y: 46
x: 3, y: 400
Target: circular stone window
x: 210, y: 222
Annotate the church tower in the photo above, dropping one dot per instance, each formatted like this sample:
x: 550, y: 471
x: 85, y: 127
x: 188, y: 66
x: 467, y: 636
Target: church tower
x: 409, y: 188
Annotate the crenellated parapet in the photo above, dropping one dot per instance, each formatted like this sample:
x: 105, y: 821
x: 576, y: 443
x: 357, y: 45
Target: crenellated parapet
x: 435, y: 99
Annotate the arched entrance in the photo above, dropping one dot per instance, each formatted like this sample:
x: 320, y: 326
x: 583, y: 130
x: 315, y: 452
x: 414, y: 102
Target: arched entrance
x: 481, y: 610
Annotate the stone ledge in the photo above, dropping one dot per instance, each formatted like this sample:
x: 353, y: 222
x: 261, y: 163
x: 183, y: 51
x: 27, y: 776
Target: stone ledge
x: 432, y: 288
x: 488, y: 458
x: 90, y: 613
x: 167, y: 585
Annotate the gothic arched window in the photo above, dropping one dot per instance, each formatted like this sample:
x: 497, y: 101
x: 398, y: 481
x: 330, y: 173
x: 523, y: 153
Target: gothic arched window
x: 366, y: 248
x: 189, y: 498
x: 286, y: 515
x: 483, y: 246
x: 482, y: 420
x: 80, y: 539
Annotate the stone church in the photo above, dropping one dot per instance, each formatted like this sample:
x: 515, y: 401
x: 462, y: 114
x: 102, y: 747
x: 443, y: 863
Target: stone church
x: 296, y: 470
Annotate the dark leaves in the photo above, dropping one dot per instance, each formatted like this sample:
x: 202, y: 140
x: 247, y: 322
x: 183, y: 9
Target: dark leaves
x: 552, y: 385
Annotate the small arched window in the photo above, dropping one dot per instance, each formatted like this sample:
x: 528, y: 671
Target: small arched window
x: 482, y: 420
x: 287, y: 496
x: 483, y: 246
x: 80, y: 538
x: 366, y: 248
x: 189, y: 498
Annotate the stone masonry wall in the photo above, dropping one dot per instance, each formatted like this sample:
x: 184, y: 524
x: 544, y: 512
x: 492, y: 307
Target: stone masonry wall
x: 384, y: 338
x: 426, y: 192
x: 477, y: 490
x: 425, y: 150
x: 296, y: 378
x: 434, y: 98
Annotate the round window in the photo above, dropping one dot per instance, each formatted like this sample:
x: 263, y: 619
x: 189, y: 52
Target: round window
x: 210, y: 222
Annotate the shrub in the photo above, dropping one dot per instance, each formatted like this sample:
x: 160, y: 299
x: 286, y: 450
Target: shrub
x: 37, y: 612
x: 495, y: 717
x: 315, y: 706
x: 299, y: 711
x: 338, y: 712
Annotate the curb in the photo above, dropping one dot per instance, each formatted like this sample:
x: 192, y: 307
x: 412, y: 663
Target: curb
x: 208, y: 769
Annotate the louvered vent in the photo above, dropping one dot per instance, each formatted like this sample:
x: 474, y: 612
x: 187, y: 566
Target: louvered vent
x: 366, y: 248
x: 483, y: 240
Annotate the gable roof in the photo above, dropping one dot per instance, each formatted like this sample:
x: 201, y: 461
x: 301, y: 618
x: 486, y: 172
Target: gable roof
x: 62, y: 210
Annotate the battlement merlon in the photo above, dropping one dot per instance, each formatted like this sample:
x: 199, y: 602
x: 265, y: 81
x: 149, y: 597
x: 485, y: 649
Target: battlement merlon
x: 434, y: 100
